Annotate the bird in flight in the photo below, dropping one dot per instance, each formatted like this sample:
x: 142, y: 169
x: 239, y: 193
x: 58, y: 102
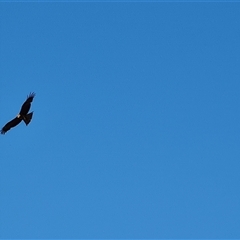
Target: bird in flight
x: 23, y: 115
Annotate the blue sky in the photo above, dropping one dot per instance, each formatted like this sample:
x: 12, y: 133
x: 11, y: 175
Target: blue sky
x: 135, y: 132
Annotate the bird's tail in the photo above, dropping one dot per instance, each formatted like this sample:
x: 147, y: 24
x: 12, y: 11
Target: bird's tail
x: 27, y: 118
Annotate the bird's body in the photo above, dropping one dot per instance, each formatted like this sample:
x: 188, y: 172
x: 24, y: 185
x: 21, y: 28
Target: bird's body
x: 23, y: 115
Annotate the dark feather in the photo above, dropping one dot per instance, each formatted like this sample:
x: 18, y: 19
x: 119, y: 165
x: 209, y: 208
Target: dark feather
x: 11, y: 124
x: 27, y: 119
x: 27, y: 104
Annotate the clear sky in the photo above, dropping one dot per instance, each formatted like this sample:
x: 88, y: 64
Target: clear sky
x: 135, y: 132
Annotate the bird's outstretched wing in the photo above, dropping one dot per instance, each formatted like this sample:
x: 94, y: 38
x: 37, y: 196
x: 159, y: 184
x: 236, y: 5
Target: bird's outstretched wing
x: 11, y: 124
x: 27, y: 104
